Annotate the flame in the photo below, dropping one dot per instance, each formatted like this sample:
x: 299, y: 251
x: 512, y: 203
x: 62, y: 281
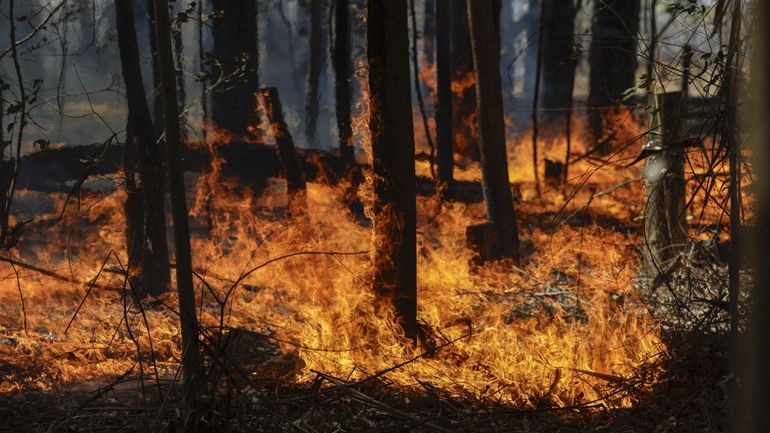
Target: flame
x: 558, y: 326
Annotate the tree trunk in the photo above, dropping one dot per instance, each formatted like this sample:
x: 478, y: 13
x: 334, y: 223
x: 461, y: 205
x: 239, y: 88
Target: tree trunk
x: 154, y: 265
x: 157, y: 104
x: 501, y: 215
x: 5, y: 171
x: 236, y: 49
x: 342, y: 78
x: 557, y: 76
x: 444, y: 137
x: 287, y: 153
x: 757, y: 353
x: 191, y: 367
x: 464, y: 105
x: 134, y: 209
x: 665, y: 224
x: 315, y: 46
x: 613, y: 63
x: 179, y: 63
x: 429, y: 30
x: 392, y: 133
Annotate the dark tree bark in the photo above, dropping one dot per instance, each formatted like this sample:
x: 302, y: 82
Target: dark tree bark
x: 133, y: 207
x: 395, y: 267
x: 5, y: 171
x: 154, y: 264
x: 757, y: 353
x: 287, y: 153
x: 429, y: 30
x: 179, y: 64
x: 464, y: 104
x: 612, y: 60
x: 342, y: 78
x: 444, y: 137
x: 157, y: 105
x: 558, y: 62
x: 315, y: 46
x: 236, y: 49
x: 501, y: 215
x: 191, y: 366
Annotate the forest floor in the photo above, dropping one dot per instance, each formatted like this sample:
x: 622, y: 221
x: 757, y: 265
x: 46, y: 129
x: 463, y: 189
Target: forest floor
x: 691, y: 397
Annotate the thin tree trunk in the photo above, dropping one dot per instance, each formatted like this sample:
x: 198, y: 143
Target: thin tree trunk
x: 179, y: 64
x: 154, y: 265
x: 395, y: 267
x: 191, y: 367
x: 558, y: 63
x: 613, y: 63
x: 536, y: 96
x: 133, y: 207
x: 732, y: 143
x: 418, y: 89
x: 236, y: 49
x: 5, y: 170
x: 464, y: 105
x: 429, y: 30
x: 342, y: 78
x: 157, y: 104
x: 287, y: 153
x: 665, y: 224
x: 202, y: 68
x: 315, y: 46
x: 444, y: 137
x: 501, y: 215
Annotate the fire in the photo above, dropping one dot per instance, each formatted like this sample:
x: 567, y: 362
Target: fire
x: 568, y: 325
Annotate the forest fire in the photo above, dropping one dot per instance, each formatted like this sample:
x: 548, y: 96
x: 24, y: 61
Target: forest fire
x: 470, y: 218
x: 565, y: 325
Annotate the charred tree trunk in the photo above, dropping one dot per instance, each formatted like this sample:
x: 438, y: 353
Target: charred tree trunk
x: 316, y: 52
x: 464, y: 104
x: 236, y: 50
x: 179, y: 63
x: 287, y: 153
x: 134, y: 208
x: 191, y: 365
x: 613, y: 63
x: 154, y: 266
x: 342, y: 78
x: 5, y: 170
x: 444, y: 137
x: 429, y: 31
x: 157, y: 104
x: 501, y: 215
x: 557, y: 75
x: 394, y: 210
x: 757, y: 353
x: 665, y: 224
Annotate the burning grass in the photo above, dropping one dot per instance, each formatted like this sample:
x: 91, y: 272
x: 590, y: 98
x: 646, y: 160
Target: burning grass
x: 567, y: 326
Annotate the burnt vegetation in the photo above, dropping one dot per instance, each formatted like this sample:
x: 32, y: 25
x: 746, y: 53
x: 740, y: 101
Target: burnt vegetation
x: 384, y: 215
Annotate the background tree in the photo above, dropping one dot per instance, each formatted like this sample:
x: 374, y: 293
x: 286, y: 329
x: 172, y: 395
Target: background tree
x: 191, y: 365
x: 501, y: 215
x: 146, y: 221
x: 444, y: 136
x: 235, y: 33
x: 613, y: 63
x: 316, y: 53
x: 464, y: 104
x: 390, y: 124
x: 557, y: 74
x: 342, y: 78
